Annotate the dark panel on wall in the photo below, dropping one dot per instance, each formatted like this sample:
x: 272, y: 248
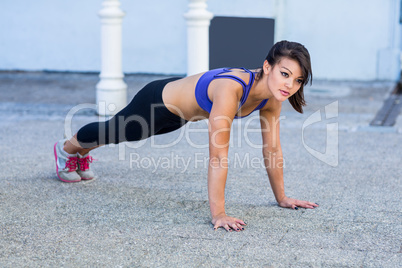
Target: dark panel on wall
x: 400, y: 13
x: 239, y: 42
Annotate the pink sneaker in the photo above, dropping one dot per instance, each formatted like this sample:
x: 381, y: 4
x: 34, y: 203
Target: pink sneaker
x: 66, y: 164
x: 84, y: 170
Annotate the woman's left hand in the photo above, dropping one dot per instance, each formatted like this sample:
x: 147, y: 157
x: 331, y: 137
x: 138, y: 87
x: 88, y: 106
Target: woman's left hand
x: 287, y: 202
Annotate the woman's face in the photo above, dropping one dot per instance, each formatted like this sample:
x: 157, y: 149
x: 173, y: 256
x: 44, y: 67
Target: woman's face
x: 284, y: 79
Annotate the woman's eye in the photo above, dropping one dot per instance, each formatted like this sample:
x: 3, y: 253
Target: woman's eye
x: 285, y: 74
x: 299, y: 81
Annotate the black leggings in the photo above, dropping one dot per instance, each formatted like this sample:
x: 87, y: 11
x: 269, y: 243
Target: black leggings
x: 144, y: 116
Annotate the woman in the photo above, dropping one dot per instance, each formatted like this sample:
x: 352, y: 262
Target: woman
x: 220, y: 96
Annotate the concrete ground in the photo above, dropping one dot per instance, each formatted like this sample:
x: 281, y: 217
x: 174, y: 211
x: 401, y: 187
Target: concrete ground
x: 149, y: 207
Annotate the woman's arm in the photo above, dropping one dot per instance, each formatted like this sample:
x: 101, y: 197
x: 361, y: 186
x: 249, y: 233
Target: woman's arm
x: 273, y: 158
x: 225, y: 103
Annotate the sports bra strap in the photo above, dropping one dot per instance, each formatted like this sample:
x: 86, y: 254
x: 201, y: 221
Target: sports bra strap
x: 237, y: 79
x: 246, y: 87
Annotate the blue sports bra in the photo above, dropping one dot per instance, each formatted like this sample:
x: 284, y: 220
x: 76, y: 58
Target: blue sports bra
x: 201, y: 89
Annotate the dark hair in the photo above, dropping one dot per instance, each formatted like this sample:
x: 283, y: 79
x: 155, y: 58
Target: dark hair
x: 299, y: 53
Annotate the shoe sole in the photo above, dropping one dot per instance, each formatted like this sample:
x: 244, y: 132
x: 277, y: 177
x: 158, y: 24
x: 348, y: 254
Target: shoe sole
x: 57, y: 168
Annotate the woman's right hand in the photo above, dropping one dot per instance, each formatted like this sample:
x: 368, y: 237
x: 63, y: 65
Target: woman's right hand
x: 229, y: 223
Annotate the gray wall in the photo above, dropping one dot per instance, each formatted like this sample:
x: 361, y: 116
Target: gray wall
x: 348, y: 39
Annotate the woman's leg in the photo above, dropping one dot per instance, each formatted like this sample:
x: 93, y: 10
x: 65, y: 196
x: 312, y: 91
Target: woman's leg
x: 143, y: 117
x: 72, y: 146
x: 139, y: 120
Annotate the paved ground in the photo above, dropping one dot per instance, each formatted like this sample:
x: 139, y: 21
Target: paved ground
x: 148, y: 207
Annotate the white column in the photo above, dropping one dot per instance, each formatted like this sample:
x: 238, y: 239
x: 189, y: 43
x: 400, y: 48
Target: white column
x: 111, y: 91
x: 198, y: 20
x: 389, y: 59
x: 280, y: 11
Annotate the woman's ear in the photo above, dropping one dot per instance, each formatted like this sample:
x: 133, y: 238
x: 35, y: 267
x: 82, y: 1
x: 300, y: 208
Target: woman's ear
x: 266, y: 67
